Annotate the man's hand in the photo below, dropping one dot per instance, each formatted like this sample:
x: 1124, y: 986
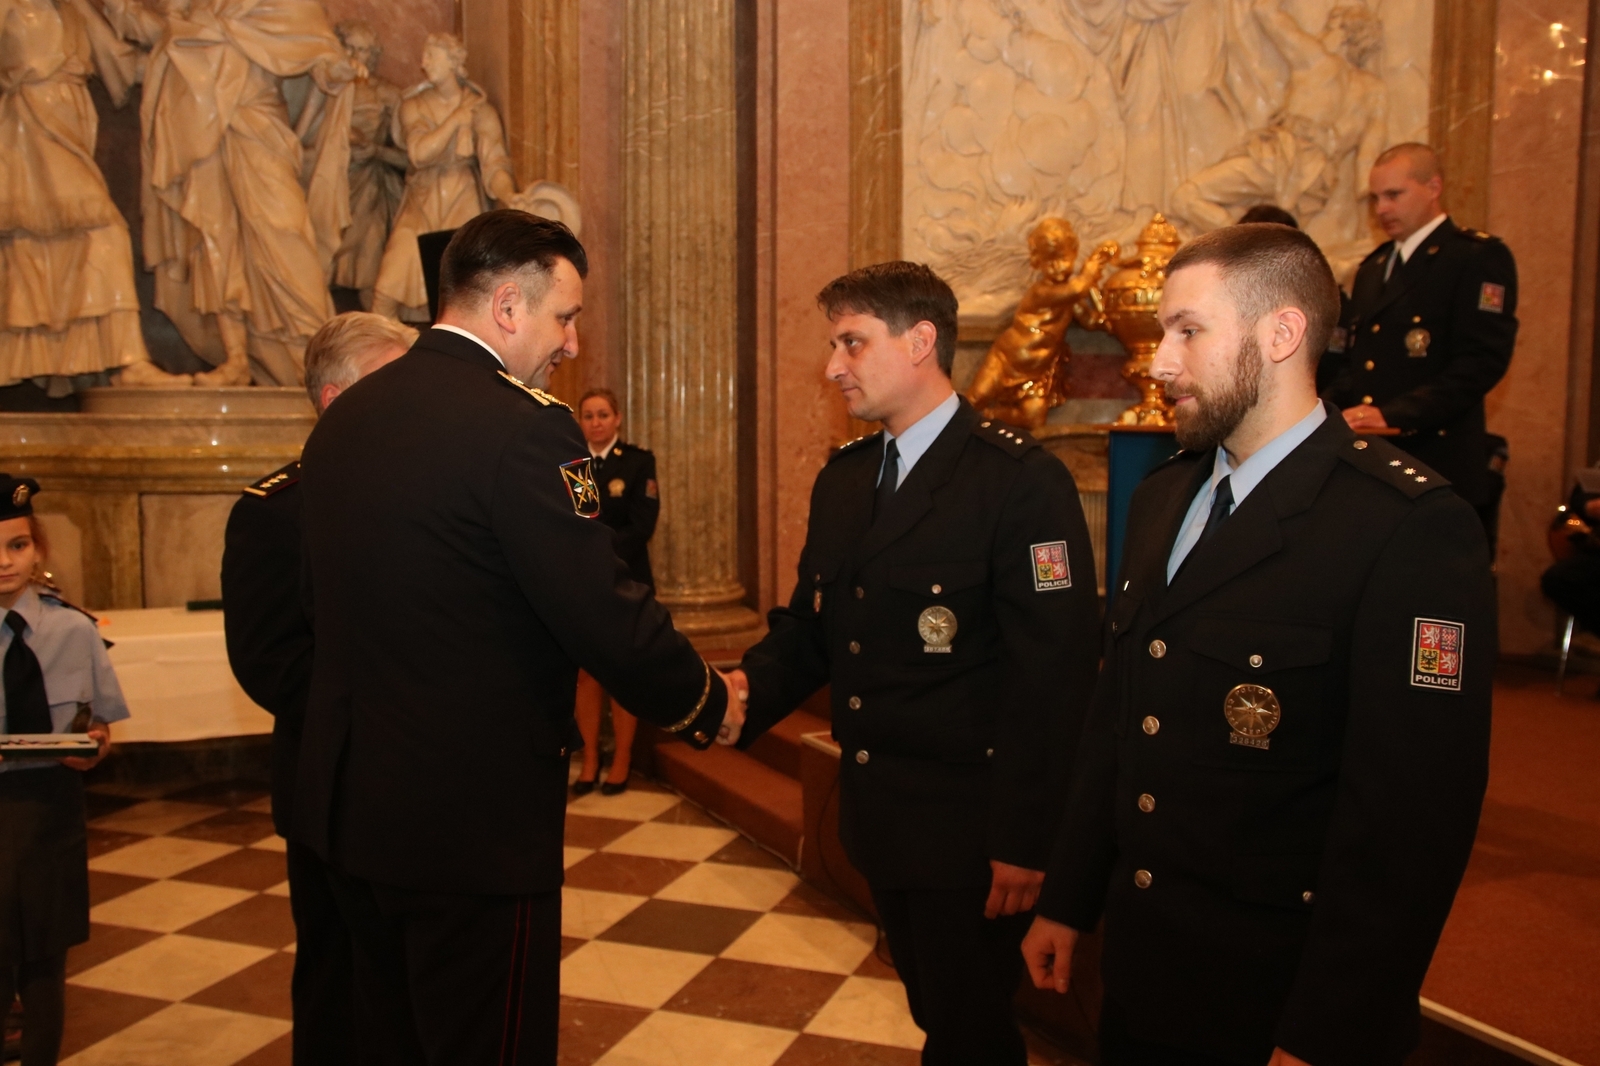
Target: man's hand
x: 1364, y: 416
x: 1014, y: 889
x: 102, y: 735
x: 1047, y: 949
x: 1281, y: 1057
x: 738, y: 696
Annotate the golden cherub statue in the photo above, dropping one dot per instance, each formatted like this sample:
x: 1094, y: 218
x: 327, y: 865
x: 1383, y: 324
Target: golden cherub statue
x: 1022, y: 376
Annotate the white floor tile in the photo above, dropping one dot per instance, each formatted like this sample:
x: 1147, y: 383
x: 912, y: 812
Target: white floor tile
x: 871, y: 1010
x: 633, y: 806
x: 173, y: 967
x: 719, y: 884
x: 628, y: 973
x: 154, y: 817
x: 160, y: 857
x: 586, y: 913
x: 805, y: 943
x: 167, y: 906
x: 666, y: 1039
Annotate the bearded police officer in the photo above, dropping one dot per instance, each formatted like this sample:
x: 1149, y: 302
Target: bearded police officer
x: 457, y: 576
x: 947, y: 593
x: 269, y: 648
x: 1429, y: 328
x: 1278, y: 787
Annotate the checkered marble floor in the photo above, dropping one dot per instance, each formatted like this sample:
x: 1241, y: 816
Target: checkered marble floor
x: 683, y: 942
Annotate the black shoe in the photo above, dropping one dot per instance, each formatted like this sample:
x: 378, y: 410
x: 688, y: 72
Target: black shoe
x: 609, y: 789
x: 581, y: 787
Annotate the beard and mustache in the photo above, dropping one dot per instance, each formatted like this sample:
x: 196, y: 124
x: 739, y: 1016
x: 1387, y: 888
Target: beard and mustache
x: 1217, y: 411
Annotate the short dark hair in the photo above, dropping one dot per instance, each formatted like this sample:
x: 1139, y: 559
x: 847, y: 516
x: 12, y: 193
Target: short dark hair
x: 902, y: 294
x: 1268, y: 213
x: 602, y: 394
x: 1266, y: 266
x: 497, y: 243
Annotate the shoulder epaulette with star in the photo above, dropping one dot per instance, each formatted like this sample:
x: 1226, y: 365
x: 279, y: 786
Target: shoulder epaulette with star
x: 48, y: 591
x: 1182, y: 455
x: 542, y: 398
x: 1009, y: 439
x: 1400, y: 470
x: 855, y: 445
x: 276, y: 481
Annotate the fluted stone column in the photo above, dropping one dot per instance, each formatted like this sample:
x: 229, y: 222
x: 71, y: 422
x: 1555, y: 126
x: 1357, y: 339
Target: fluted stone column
x: 680, y: 295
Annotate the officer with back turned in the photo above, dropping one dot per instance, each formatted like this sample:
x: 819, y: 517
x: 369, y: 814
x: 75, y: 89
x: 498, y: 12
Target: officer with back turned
x: 270, y: 651
x: 1429, y: 328
x: 947, y: 593
x: 1279, y: 783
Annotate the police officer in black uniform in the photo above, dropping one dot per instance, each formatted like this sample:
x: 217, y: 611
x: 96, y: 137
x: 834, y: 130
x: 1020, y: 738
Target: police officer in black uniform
x: 947, y: 593
x: 1278, y: 788
x: 1429, y: 329
x: 630, y: 503
x: 269, y: 648
x: 457, y: 577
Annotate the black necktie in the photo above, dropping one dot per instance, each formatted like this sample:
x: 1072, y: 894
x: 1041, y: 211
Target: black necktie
x: 1221, y: 506
x: 888, y: 479
x: 27, y: 709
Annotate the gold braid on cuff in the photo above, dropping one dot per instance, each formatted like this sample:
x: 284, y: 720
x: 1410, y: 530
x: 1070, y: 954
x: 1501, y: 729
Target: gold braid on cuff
x: 688, y: 719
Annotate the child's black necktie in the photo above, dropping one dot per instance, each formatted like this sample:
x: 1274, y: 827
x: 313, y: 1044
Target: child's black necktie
x: 27, y: 709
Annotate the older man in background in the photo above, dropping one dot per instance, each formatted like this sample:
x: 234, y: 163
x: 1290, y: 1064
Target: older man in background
x: 269, y: 648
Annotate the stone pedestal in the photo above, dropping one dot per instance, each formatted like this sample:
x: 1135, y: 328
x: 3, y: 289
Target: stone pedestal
x: 680, y: 293
x: 137, y: 488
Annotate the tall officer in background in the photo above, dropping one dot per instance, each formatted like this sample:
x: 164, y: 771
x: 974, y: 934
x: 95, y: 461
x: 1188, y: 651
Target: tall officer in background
x: 1429, y: 328
x: 947, y: 592
x: 630, y: 503
x: 457, y: 578
x: 269, y: 648
x: 1278, y: 787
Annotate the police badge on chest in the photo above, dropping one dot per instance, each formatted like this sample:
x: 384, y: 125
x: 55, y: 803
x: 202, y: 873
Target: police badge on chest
x: 936, y: 626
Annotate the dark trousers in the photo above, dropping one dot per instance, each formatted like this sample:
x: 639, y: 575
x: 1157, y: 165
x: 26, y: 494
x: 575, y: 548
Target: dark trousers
x: 1119, y: 1047
x: 454, y: 980
x: 960, y: 970
x: 323, y: 989
x: 42, y: 984
x: 1573, y: 585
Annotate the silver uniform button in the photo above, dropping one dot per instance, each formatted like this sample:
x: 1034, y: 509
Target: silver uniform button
x: 861, y: 593
x: 855, y: 647
x: 938, y: 589
x: 1152, y: 724
x: 991, y: 753
x: 1147, y: 802
x: 854, y: 703
x: 1255, y: 660
x: 1307, y: 896
x: 1142, y: 878
x: 1158, y: 649
x: 862, y: 757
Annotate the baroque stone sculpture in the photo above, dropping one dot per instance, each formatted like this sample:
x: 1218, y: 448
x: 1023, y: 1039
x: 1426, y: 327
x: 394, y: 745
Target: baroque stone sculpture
x: 66, y: 260
x: 377, y: 166
x: 1313, y: 156
x: 459, y: 168
x: 1100, y: 111
x: 1023, y: 376
x: 228, y: 227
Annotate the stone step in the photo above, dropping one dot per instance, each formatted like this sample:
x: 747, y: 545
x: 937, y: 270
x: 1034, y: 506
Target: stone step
x: 779, y: 747
x: 743, y: 791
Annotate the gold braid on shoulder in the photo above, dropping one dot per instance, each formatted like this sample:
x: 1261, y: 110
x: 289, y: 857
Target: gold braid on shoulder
x: 688, y: 720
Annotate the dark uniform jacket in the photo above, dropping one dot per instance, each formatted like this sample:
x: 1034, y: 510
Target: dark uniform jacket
x: 457, y: 578
x: 955, y: 750
x: 630, y: 503
x: 1283, y: 881
x: 268, y: 633
x: 1428, y: 346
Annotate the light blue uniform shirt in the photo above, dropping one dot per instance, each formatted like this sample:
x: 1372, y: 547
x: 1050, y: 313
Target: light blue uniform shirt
x: 1245, y: 477
x: 920, y: 436
x: 73, y: 660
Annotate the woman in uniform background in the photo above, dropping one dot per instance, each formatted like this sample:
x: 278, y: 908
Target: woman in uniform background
x: 629, y: 503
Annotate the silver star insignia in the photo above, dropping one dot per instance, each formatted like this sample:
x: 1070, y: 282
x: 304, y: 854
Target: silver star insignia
x: 1420, y: 480
x: 1394, y: 462
x: 1411, y: 470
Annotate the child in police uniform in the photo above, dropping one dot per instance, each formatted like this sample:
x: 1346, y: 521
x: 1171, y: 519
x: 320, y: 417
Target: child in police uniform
x: 57, y: 679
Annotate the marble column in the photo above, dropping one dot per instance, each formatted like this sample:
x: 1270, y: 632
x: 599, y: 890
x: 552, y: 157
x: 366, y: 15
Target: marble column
x: 679, y: 293
x: 1461, y: 110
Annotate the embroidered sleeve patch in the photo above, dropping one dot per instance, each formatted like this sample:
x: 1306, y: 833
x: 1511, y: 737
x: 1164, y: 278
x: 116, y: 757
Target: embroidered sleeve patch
x: 578, y: 476
x: 1050, y: 568
x: 1492, y: 297
x: 651, y: 490
x: 1436, y: 654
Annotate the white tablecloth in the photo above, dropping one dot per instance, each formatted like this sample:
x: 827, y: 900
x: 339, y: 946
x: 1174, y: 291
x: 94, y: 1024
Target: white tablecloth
x: 173, y: 666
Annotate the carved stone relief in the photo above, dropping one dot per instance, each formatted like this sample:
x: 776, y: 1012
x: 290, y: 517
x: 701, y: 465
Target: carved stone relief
x: 1103, y: 112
